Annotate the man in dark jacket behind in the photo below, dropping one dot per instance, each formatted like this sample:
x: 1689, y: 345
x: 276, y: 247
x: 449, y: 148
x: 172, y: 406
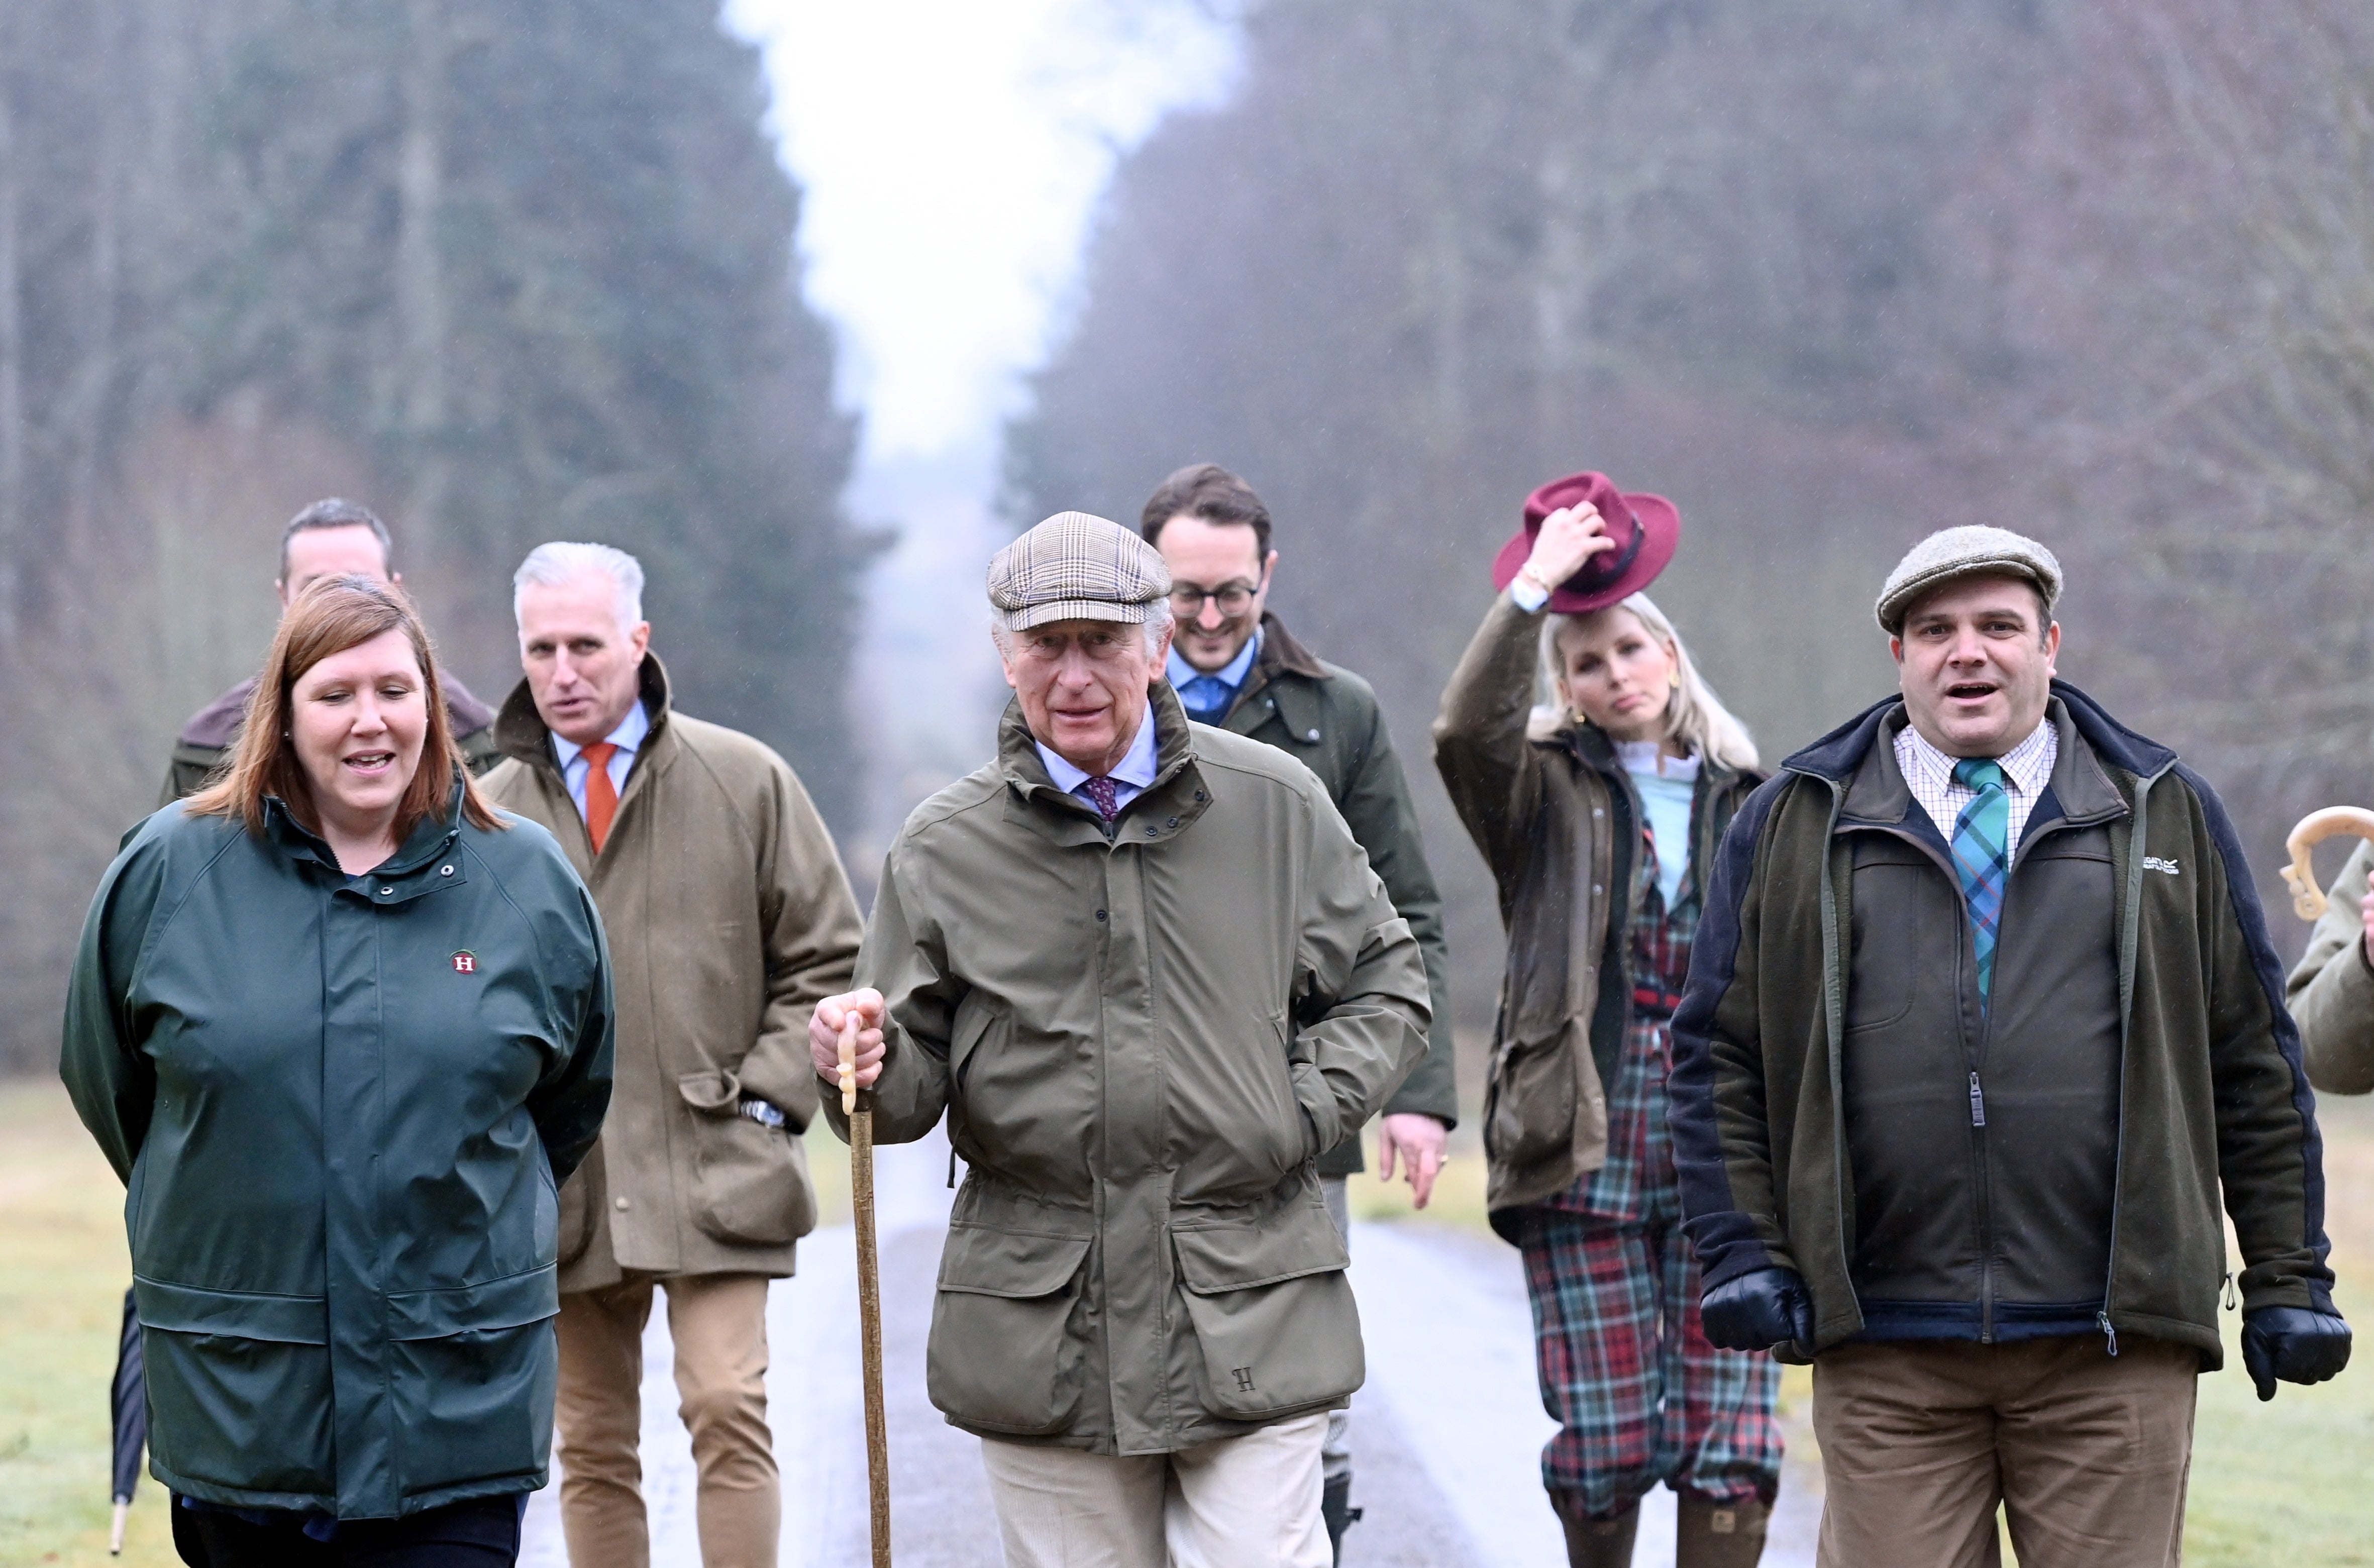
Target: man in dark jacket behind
x: 1981, y: 1016
x: 330, y: 538
x: 1235, y: 665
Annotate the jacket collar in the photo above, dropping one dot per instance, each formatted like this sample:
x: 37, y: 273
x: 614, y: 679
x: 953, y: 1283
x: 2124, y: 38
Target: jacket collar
x: 1860, y: 755
x: 1281, y: 669
x: 1166, y: 808
x: 521, y: 733
x: 422, y: 864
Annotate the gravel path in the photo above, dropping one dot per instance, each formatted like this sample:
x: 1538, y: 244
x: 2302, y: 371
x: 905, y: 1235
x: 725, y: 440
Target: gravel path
x: 1447, y: 1433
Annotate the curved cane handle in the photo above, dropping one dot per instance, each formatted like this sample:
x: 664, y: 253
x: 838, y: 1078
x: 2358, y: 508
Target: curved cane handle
x: 2308, y: 896
x: 848, y: 1063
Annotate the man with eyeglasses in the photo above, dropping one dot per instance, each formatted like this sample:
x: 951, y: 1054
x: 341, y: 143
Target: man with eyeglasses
x: 1235, y: 665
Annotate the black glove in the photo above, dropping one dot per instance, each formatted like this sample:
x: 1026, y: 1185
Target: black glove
x: 2294, y: 1344
x: 1769, y: 1307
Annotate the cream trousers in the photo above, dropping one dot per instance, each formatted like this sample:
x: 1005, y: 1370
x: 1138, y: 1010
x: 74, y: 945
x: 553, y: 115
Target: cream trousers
x: 1250, y: 1501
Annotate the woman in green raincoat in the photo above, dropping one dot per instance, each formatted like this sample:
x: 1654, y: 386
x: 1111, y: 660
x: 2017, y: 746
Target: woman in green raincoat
x: 343, y: 1030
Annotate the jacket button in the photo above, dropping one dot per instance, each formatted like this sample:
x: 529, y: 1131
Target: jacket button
x: 1100, y: 914
x: 385, y: 892
x: 622, y: 1205
x: 1596, y: 812
x: 1199, y: 794
x: 1172, y: 823
x: 1311, y: 736
x: 1150, y: 832
x: 444, y: 871
x: 1594, y: 889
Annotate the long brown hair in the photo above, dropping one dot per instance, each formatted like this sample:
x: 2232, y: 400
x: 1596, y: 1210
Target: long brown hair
x: 331, y: 616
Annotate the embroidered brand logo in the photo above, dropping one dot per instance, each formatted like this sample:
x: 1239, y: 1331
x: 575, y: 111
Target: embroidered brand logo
x: 2154, y: 864
x: 1244, y: 1377
x: 465, y: 963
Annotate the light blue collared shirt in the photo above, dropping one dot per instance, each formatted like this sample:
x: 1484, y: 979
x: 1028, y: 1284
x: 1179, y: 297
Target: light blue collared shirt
x: 628, y: 737
x: 1130, y: 776
x: 1207, y: 697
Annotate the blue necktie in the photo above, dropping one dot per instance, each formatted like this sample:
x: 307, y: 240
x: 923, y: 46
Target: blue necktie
x: 1206, y: 699
x: 1982, y: 857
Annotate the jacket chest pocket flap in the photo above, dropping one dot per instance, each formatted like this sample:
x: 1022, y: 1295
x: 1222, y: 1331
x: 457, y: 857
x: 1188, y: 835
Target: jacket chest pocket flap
x: 1273, y: 1313
x: 1001, y: 1357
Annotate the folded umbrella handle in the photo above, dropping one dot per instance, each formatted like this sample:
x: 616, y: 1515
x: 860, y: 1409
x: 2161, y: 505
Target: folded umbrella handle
x: 2308, y: 896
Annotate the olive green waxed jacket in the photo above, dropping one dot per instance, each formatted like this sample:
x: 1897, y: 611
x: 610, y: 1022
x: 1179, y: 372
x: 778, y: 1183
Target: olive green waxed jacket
x: 729, y: 919
x: 1556, y: 818
x: 1142, y: 1042
x: 341, y: 1106
x: 1327, y: 718
x: 2332, y: 990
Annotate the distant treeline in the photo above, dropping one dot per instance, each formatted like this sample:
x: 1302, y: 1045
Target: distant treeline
x: 505, y: 270
x: 1828, y: 273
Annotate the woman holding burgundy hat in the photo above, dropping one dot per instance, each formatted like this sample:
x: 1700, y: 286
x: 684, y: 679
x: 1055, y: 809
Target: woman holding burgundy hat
x: 1595, y: 812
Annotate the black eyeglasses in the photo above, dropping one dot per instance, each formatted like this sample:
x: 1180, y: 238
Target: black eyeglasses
x: 1233, y: 599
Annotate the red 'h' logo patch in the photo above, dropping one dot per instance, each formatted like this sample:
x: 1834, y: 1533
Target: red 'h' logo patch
x: 465, y: 963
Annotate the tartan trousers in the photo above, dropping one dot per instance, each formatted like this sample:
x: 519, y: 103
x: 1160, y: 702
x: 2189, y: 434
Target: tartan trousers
x: 1639, y: 1394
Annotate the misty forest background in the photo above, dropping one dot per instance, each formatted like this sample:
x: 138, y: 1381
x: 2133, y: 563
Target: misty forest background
x: 1827, y: 272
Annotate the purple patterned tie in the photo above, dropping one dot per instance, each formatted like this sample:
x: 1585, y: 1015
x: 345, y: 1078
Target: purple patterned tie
x: 1104, y: 794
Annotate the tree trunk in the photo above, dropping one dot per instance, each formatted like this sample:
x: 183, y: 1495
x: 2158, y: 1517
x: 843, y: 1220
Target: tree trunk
x: 421, y: 281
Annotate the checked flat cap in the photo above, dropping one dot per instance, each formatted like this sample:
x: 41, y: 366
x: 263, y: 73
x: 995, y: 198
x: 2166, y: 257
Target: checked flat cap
x: 1973, y: 550
x: 1077, y: 567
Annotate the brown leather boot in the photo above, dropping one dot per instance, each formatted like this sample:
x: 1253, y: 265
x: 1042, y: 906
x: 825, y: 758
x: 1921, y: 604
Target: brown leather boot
x: 1711, y: 1534
x: 1596, y: 1543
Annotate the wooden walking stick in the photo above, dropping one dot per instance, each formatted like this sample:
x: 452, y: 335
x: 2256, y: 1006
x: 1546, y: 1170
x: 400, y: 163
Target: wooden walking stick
x: 858, y: 1105
x: 2308, y: 895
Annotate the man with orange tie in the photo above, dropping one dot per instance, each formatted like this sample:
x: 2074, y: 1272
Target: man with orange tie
x: 728, y: 918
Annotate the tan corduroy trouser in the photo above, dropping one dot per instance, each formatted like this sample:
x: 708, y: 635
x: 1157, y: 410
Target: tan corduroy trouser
x: 718, y: 1325
x: 2086, y: 1453
x: 1250, y: 1501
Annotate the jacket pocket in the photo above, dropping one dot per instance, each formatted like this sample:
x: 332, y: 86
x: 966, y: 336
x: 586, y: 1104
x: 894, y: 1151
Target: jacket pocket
x: 750, y: 1183
x: 1002, y: 1357
x: 238, y: 1388
x: 471, y: 1377
x: 1273, y: 1313
x: 1533, y: 1099
x: 579, y: 1216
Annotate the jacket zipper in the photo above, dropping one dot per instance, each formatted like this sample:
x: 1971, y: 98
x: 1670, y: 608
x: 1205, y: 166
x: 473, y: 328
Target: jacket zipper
x: 2130, y: 924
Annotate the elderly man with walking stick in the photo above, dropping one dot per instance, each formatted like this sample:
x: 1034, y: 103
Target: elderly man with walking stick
x: 1147, y: 975
x: 1982, y: 1021
x: 728, y: 916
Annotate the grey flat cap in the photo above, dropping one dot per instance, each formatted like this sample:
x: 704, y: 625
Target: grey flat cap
x: 1975, y: 550
x: 1077, y: 567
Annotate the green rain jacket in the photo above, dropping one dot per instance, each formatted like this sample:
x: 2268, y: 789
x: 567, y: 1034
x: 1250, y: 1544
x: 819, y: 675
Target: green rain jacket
x: 341, y: 1106
x: 1142, y: 1038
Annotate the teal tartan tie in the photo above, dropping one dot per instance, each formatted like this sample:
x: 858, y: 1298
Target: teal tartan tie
x: 1982, y: 857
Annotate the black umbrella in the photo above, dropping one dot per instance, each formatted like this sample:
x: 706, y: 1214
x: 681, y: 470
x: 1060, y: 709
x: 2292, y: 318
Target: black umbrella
x: 131, y: 1402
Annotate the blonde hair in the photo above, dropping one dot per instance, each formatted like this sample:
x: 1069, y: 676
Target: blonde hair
x: 1695, y: 717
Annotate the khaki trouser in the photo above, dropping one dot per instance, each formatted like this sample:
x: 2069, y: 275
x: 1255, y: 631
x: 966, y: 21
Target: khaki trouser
x: 1250, y: 1501
x: 718, y: 1323
x: 2086, y: 1453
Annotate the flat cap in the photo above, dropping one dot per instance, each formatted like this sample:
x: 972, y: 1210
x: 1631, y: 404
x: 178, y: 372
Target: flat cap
x: 1974, y: 550
x: 1073, y: 566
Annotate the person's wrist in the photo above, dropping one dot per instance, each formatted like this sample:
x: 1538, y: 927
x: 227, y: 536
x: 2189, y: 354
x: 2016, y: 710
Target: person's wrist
x: 1527, y: 591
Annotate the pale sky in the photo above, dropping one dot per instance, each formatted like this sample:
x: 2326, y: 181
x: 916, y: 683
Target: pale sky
x: 952, y: 152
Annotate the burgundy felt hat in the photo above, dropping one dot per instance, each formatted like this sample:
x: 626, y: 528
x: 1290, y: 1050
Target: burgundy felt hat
x: 1645, y: 528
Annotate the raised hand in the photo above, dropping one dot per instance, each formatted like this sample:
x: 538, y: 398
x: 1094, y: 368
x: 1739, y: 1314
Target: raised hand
x: 1568, y: 537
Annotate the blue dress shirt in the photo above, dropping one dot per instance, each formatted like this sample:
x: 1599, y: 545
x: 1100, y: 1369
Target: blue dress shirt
x: 1130, y: 776
x: 1208, y: 698
x: 628, y: 737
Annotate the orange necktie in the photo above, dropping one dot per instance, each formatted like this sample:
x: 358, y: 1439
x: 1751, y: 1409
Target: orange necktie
x: 601, y: 795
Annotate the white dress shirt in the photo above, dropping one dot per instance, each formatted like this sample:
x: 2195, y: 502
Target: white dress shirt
x: 2028, y: 766
x: 628, y: 737
x: 1130, y: 776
